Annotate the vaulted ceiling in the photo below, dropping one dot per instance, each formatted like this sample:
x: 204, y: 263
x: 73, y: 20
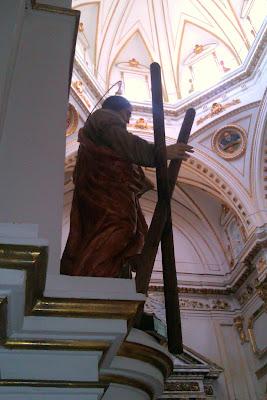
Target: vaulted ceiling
x: 196, y: 42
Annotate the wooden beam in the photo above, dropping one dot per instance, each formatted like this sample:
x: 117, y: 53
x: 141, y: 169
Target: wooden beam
x: 161, y: 225
x: 145, y: 262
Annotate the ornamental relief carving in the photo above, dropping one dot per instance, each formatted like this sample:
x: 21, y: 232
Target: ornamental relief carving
x: 72, y: 120
x: 247, y: 293
x: 257, y: 331
x: 155, y: 303
x: 229, y: 142
x: 217, y: 108
x: 182, y: 386
x: 239, y: 325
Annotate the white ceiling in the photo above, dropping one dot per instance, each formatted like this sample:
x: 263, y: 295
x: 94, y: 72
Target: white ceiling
x: 196, y: 42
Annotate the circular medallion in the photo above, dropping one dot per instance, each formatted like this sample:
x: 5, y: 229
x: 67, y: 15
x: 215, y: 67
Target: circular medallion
x: 72, y: 120
x: 229, y: 142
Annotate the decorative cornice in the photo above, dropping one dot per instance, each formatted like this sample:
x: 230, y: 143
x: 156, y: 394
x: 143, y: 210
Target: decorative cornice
x: 215, y: 369
x: 104, y: 382
x: 54, y: 9
x: 223, y: 117
x: 192, y: 290
x: 256, y: 242
x: 149, y: 355
x: 79, y: 101
x: 87, y: 79
x: 33, y: 260
x: 87, y: 308
x: 179, y: 109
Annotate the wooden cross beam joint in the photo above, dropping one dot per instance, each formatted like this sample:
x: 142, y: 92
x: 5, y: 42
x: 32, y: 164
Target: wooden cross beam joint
x: 160, y: 230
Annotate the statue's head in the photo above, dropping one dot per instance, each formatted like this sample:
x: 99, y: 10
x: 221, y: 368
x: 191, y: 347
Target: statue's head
x: 120, y: 105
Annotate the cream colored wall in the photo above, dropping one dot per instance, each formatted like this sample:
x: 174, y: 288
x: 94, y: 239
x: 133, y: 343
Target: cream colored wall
x: 33, y: 133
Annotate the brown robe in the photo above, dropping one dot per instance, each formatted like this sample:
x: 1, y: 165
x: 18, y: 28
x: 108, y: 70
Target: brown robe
x: 107, y: 226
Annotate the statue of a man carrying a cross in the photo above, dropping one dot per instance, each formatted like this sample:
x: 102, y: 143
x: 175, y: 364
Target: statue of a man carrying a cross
x: 107, y: 226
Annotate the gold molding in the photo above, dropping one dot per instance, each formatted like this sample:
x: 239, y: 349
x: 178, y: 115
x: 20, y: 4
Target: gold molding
x: 261, y: 289
x: 259, y: 352
x: 105, y: 381
x: 52, y: 344
x: 87, y: 308
x: 52, y: 383
x: 32, y: 260
x: 239, y: 325
x: 147, y: 354
x: 73, y: 118
x: 126, y: 381
x: 54, y: 9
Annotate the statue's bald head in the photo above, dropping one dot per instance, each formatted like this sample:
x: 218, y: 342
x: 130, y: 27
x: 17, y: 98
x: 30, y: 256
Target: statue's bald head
x: 119, y: 104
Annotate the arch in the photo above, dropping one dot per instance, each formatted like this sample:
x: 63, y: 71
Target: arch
x: 259, y: 162
x: 188, y: 21
x: 135, y: 31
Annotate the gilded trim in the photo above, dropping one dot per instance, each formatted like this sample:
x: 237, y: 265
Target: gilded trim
x: 41, y: 344
x: 51, y: 383
x: 72, y: 120
x: 259, y: 352
x: 149, y: 355
x: 32, y: 260
x: 104, y: 383
x: 87, y: 308
x: 54, y: 9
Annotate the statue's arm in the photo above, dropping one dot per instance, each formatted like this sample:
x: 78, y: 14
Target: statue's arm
x: 127, y: 145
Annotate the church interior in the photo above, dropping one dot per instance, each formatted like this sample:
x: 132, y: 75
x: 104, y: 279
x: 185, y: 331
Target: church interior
x: 74, y: 337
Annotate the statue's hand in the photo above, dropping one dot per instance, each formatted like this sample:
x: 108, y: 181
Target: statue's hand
x: 179, y: 151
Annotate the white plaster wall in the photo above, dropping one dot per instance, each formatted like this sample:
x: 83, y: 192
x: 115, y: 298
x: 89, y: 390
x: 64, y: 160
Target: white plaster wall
x: 33, y: 142
x: 253, y: 361
x: 11, y: 18
x: 214, y: 336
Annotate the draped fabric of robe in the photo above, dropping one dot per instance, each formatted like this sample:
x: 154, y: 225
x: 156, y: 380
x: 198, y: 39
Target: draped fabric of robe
x: 107, y: 226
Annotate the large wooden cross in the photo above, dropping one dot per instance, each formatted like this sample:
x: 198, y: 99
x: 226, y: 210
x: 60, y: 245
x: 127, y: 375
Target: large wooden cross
x: 160, y: 230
